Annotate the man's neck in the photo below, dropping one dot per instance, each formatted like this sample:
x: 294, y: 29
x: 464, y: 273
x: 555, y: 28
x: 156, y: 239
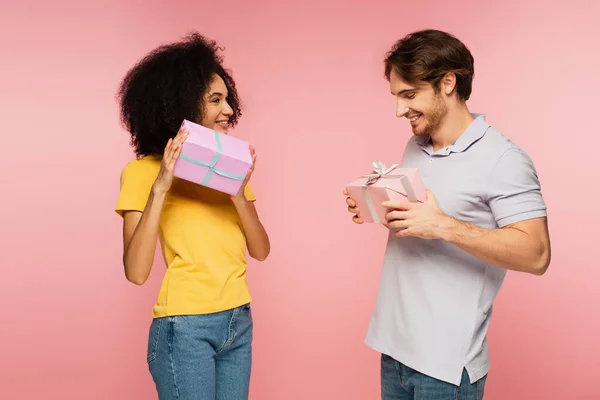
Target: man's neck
x: 453, y: 126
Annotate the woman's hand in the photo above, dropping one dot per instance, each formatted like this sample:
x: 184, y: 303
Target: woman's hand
x: 163, y: 181
x: 240, y: 194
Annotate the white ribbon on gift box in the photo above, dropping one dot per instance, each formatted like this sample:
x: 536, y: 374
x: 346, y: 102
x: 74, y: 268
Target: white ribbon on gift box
x: 381, y: 171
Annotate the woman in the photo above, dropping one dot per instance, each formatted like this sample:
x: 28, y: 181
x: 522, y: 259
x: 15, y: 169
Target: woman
x: 200, y: 339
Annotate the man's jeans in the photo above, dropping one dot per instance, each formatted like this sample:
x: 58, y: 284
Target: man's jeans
x: 202, y: 357
x: 399, y: 382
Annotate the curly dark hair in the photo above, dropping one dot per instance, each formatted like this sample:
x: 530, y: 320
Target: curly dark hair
x: 166, y: 87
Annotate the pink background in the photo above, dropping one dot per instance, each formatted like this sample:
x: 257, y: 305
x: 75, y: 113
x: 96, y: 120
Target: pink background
x: 318, y: 111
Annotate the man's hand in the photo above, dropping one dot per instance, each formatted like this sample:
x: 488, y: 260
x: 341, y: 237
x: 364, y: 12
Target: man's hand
x: 422, y: 220
x: 352, y: 208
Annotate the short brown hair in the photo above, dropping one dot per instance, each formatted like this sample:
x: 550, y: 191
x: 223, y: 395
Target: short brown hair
x: 427, y: 56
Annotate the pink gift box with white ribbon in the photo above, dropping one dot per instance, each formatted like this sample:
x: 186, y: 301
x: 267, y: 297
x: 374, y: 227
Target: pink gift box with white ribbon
x: 383, y: 184
x: 213, y: 159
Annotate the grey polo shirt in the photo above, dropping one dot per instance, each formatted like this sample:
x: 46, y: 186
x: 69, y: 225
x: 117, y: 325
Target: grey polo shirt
x: 434, y: 302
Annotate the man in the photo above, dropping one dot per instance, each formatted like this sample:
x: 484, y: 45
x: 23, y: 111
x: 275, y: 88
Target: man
x: 446, y: 258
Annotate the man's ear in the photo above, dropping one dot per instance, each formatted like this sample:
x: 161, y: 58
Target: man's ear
x: 448, y: 83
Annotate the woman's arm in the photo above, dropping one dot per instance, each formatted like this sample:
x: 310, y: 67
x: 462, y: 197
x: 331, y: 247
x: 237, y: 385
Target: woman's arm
x: 140, y: 229
x: 257, y: 239
x: 140, y: 235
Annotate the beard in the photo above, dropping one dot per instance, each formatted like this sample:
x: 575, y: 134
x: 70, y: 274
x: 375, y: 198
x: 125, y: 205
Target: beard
x: 432, y: 119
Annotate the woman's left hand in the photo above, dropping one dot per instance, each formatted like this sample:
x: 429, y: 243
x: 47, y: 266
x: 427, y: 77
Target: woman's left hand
x: 240, y: 194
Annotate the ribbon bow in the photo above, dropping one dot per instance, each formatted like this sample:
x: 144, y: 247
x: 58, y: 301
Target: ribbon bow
x: 380, y: 171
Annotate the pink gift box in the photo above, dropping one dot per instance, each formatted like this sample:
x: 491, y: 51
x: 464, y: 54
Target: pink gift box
x: 213, y: 159
x: 383, y: 184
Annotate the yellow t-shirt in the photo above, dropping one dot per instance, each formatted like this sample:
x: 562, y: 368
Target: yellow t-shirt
x: 202, y: 242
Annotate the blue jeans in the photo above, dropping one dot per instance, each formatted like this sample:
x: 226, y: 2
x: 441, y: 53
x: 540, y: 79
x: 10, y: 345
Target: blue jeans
x: 202, y: 357
x: 399, y: 382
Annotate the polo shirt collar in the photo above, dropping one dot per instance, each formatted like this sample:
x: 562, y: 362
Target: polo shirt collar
x: 473, y: 133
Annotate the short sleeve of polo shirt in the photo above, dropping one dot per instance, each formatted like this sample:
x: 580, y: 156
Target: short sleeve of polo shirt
x: 514, y: 192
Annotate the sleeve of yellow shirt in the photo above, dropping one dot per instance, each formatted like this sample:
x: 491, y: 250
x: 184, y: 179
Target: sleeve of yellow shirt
x: 249, y: 193
x: 135, y: 188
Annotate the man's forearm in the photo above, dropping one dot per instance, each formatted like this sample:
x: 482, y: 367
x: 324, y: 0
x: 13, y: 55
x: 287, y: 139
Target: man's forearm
x: 256, y: 237
x: 510, y: 248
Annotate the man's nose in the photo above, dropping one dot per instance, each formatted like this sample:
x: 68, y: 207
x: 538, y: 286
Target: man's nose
x: 401, y: 109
